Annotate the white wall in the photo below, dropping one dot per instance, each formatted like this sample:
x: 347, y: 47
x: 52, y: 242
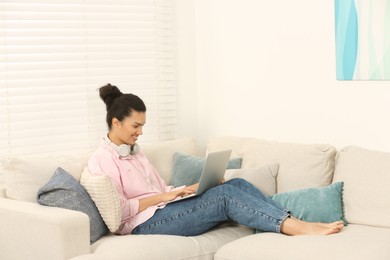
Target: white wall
x: 186, y: 68
x: 267, y: 69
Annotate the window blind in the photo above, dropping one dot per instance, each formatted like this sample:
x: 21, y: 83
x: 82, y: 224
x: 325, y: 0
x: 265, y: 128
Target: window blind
x: 55, y: 54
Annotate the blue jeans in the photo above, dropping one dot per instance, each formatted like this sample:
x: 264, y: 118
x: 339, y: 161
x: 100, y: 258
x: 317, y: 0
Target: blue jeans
x: 236, y: 200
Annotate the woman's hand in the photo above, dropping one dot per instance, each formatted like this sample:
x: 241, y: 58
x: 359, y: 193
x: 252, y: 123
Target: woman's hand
x: 166, y: 196
x: 194, y: 187
x: 171, y: 195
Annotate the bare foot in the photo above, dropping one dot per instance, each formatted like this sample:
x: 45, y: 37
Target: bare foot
x: 337, y: 223
x: 322, y: 228
x: 293, y: 226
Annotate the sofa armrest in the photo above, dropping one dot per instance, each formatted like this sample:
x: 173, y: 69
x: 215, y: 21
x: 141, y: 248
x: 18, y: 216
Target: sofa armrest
x: 32, y: 231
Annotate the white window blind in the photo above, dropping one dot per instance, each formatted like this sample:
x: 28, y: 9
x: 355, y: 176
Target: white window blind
x: 55, y: 54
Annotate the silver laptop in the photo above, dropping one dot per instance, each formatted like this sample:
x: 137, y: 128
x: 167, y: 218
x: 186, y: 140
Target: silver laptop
x: 212, y: 174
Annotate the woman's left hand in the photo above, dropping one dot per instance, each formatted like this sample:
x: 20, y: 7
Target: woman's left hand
x: 193, y: 187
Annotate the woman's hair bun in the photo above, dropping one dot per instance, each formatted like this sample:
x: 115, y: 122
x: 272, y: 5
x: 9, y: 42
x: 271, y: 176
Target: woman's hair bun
x: 108, y: 93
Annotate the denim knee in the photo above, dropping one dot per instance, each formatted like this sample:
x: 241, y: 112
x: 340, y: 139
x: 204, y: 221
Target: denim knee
x: 239, y: 183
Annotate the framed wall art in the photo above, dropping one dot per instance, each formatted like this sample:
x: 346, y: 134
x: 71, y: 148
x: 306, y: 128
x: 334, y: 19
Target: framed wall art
x: 362, y: 39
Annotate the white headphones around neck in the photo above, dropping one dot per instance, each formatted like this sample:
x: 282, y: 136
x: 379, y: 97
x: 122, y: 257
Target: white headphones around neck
x: 124, y: 149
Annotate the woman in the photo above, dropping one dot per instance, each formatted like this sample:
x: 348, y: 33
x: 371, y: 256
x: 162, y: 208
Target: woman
x: 144, y: 194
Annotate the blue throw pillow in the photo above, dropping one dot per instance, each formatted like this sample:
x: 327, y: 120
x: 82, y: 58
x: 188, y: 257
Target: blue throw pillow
x: 324, y: 204
x: 64, y: 191
x: 187, y: 169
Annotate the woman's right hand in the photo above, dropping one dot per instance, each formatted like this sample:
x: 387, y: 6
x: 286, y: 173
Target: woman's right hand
x: 171, y: 195
x: 165, y: 197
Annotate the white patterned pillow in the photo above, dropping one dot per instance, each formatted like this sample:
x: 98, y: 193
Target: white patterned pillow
x: 105, y: 195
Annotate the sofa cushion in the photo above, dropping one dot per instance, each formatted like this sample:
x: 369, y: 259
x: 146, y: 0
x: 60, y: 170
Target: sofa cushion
x: 3, y: 190
x: 366, y: 175
x: 187, y: 169
x: 24, y: 175
x: 64, y: 191
x: 323, y: 204
x: 353, y: 242
x: 167, y: 246
x: 105, y: 195
x: 160, y: 154
x: 2, y: 182
x: 263, y: 178
x: 300, y: 165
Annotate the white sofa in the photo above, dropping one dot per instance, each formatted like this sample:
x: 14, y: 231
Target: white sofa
x: 31, y: 231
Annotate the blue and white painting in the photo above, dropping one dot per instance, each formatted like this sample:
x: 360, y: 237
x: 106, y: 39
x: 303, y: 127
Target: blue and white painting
x: 362, y: 39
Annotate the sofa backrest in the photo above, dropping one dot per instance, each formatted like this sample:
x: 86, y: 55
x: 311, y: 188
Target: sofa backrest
x: 300, y: 165
x: 24, y: 175
x: 161, y: 154
x: 366, y: 176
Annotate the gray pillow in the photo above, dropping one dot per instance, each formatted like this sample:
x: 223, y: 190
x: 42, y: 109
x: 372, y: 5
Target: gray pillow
x: 187, y: 169
x: 64, y: 191
x: 263, y: 178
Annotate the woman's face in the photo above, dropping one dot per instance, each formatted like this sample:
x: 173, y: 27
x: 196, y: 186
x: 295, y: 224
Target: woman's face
x: 127, y: 131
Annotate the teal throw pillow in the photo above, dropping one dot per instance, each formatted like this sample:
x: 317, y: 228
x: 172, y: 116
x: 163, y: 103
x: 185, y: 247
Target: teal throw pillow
x: 187, y: 169
x: 324, y: 204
